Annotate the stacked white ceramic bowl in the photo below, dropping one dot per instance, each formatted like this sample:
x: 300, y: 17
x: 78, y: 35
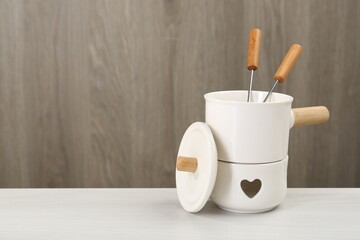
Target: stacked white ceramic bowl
x: 252, y: 146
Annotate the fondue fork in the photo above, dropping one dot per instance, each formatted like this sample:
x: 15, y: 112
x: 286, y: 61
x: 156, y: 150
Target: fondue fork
x: 286, y: 66
x: 253, y: 55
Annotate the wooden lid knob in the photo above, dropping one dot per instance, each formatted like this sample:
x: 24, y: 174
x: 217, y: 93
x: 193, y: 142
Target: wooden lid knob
x: 288, y: 62
x: 254, y: 49
x: 186, y: 164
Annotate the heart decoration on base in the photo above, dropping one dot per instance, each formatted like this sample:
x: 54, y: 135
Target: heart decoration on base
x: 251, y: 188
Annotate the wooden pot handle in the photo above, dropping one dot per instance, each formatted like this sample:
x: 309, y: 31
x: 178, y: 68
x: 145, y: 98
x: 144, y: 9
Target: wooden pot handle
x: 254, y: 49
x: 310, y: 115
x: 186, y: 164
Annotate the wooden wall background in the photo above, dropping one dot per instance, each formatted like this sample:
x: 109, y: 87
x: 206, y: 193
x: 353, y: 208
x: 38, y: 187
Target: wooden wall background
x: 99, y: 93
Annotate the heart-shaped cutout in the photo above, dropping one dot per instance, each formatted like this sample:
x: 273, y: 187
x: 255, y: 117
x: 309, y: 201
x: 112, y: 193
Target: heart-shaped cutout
x: 250, y: 188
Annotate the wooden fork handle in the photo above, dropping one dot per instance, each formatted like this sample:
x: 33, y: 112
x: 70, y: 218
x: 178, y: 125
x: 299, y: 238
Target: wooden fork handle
x: 254, y: 49
x: 288, y: 63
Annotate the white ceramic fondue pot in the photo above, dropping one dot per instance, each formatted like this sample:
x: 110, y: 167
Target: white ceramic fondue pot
x: 254, y: 132
x: 239, y: 156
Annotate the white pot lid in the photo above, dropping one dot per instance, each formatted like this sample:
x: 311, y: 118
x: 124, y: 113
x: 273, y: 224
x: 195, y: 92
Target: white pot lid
x: 194, y: 188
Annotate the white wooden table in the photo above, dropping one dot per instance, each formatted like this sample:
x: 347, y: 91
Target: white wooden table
x: 157, y: 214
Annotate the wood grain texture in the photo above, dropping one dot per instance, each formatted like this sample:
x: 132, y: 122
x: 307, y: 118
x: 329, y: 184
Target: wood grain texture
x: 99, y: 93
